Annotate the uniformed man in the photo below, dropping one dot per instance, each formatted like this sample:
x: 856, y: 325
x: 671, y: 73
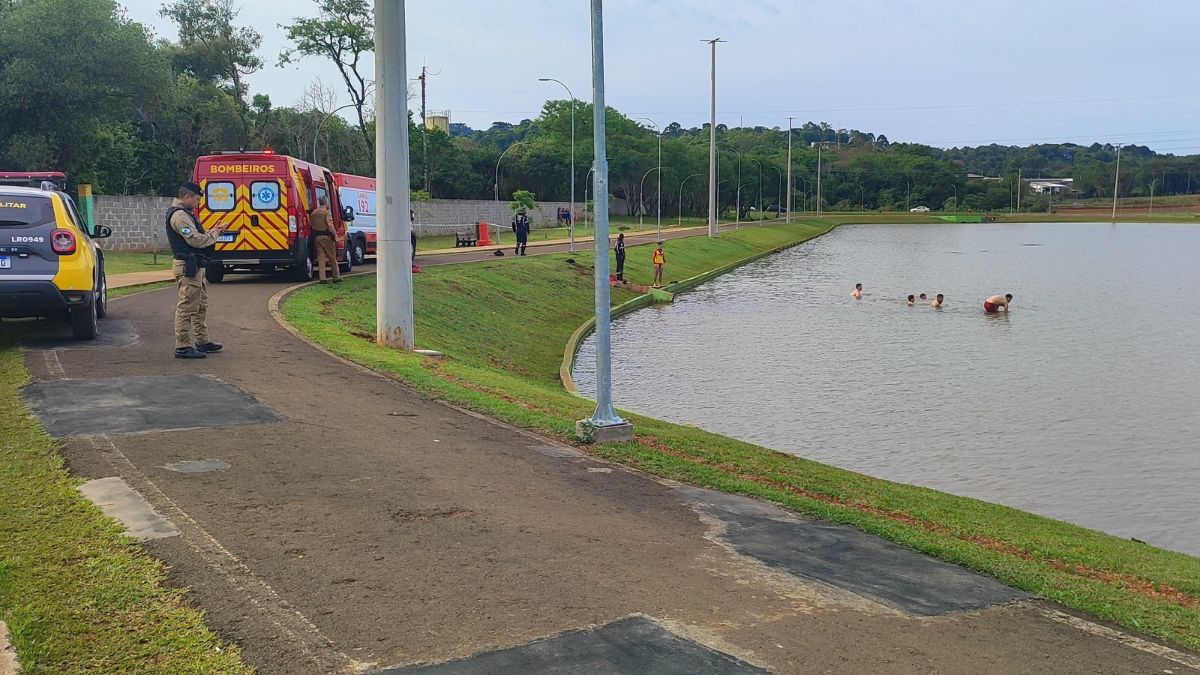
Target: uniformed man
x: 520, y: 225
x: 326, y: 240
x: 189, y: 246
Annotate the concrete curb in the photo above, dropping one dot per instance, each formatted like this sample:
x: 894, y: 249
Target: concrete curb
x: 8, y: 655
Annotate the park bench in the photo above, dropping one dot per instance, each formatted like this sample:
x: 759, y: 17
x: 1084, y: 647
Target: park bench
x: 465, y: 240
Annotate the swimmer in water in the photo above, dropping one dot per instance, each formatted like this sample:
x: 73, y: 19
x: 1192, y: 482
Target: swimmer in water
x: 857, y: 294
x: 912, y: 300
x: 937, y: 302
x: 993, y: 304
x: 924, y: 297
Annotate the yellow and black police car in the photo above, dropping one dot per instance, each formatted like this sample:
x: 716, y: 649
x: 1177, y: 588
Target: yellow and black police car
x: 50, y: 265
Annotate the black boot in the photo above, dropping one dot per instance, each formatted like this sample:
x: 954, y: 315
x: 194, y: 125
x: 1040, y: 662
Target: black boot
x: 189, y: 353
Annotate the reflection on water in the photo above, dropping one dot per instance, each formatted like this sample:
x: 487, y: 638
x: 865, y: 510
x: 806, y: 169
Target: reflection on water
x: 1082, y: 405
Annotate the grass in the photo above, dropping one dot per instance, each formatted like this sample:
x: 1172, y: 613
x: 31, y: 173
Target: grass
x: 504, y: 325
x: 125, y: 262
x: 77, y: 595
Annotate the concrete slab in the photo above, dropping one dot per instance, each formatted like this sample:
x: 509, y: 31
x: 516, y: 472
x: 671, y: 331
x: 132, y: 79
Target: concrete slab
x: 121, y: 502
x: 114, y: 334
x: 611, y: 433
x: 634, y: 645
x: 197, y: 466
x: 124, y: 405
x: 849, y: 559
x: 8, y: 655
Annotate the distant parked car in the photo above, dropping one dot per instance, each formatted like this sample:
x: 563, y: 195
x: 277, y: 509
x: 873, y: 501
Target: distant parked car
x: 919, y: 209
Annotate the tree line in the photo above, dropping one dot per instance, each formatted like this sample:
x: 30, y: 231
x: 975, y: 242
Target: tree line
x: 91, y: 92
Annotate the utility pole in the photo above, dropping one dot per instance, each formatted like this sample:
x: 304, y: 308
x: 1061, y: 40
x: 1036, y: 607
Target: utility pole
x: 424, y: 129
x: 712, y: 146
x: 1019, y: 184
x: 393, y: 300
x: 1116, y: 182
x: 789, y: 173
x: 604, y: 426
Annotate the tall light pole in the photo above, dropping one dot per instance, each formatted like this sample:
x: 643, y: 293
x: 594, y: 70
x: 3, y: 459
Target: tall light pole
x: 759, y: 185
x: 496, y: 184
x: 789, y: 172
x: 738, y: 218
x: 779, y: 191
x: 658, y: 198
x: 317, y: 133
x: 393, y: 295
x: 685, y: 180
x: 1116, y: 182
x: 571, y: 224
x: 1021, y: 184
x: 1151, y: 217
x: 712, y: 145
x: 604, y: 425
x: 862, y: 198
x: 805, y: 183
x: 739, y: 177
x: 641, y: 211
x: 955, y: 197
x: 819, y: 145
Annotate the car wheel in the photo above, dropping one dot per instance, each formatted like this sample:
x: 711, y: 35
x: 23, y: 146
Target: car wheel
x: 101, y: 295
x: 214, y: 273
x: 304, y: 271
x: 347, y: 266
x: 83, y: 322
x: 360, y: 251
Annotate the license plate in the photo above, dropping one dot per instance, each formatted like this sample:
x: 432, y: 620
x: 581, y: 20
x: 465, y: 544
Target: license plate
x: 5, y: 262
x: 228, y: 238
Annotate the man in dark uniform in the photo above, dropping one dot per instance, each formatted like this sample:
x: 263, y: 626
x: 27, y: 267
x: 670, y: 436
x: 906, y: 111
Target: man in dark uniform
x: 620, y: 249
x: 189, y: 247
x: 520, y: 225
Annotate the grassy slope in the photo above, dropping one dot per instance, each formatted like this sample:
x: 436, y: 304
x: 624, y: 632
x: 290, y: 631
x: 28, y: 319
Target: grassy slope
x: 78, y: 596
x: 504, y: 324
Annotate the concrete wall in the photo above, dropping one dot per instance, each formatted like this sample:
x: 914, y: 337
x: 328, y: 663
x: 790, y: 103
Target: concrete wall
x: 137, y: 221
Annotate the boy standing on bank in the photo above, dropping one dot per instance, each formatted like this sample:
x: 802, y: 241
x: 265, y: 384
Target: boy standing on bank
x: 659, y: 258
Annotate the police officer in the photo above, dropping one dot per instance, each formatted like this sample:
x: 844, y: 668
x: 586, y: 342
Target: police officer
x: 520, y: 225
x: 189, y: 246
x: 325, y: 238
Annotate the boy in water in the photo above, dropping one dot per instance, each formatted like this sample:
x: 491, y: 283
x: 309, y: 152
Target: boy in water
x: 923, y: 297
x: 912, y: 300
x: 937, y: 302
x: 993, y: 304
x: 857, y: 294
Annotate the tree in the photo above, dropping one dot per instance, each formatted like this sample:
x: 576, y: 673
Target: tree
x: 214, y: 50
x: 523, y: 199
x: 343, y: 31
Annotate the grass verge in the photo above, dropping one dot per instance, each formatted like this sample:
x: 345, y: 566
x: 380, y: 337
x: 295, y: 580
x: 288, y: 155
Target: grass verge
x: 504, y: 325
x: 78, y: 596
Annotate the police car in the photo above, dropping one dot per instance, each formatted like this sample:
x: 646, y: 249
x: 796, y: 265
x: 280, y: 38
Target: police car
x: 50, y: 265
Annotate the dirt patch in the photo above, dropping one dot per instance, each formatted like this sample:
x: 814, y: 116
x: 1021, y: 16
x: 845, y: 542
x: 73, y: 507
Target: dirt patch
x: 428, y: 515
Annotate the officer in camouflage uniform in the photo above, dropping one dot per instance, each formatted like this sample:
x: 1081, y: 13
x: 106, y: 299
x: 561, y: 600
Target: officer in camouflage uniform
x: 189, y: 246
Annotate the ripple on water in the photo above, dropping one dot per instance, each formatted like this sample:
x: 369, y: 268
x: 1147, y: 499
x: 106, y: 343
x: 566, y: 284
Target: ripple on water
x: 1080, y: 405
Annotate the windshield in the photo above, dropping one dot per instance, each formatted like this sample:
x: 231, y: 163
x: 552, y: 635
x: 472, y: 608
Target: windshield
x: 25, y: 212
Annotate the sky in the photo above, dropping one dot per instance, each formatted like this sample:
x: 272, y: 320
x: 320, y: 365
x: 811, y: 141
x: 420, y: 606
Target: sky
x: 941, y: 72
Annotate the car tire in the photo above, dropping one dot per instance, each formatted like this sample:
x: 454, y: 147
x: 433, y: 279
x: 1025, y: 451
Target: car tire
x: 347, y: 266
x: 360, y: 251
x: 305, y: 270
x: 214, y: 273
x: 84, y: 323
x: 101, y: 298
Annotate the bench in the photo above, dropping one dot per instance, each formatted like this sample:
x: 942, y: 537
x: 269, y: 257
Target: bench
x: 465, y: 240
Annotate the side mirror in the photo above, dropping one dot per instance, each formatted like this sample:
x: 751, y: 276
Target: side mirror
x: 348, y: 214
x: 102, y: 232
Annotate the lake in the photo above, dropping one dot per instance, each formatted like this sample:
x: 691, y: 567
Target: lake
x: 1081, y: 405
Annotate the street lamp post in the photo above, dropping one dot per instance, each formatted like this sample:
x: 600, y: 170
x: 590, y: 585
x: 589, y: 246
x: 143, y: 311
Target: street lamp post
x: 738, y: 218
x: 641, y: 211
x: 789, y: 172
x: 685, y: 180
x: 496, y: 184
x: 571, y: 224
x: 604, y: 424
x: 779, y: 192
x: 712, y: 145
x: 393, y: 295
x: 759, y: 185
x: 955, y: 198
x: 1152, y: 183
x: 658, y: 195
x: 317, y: 133
x: 1116, y: 182
x: 862, y: 198
x: 819, y: 144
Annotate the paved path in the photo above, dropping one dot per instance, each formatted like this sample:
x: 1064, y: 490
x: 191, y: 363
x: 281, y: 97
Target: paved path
x: 349, y: 525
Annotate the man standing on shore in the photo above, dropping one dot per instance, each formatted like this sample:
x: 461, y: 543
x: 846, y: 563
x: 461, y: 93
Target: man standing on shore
x: 993, y: 304
x: 620, y: 250
x: 659, y: 258
x: 520, y: 226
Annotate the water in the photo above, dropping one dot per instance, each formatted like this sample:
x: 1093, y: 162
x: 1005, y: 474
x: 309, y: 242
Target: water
x: 1081, y: 405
